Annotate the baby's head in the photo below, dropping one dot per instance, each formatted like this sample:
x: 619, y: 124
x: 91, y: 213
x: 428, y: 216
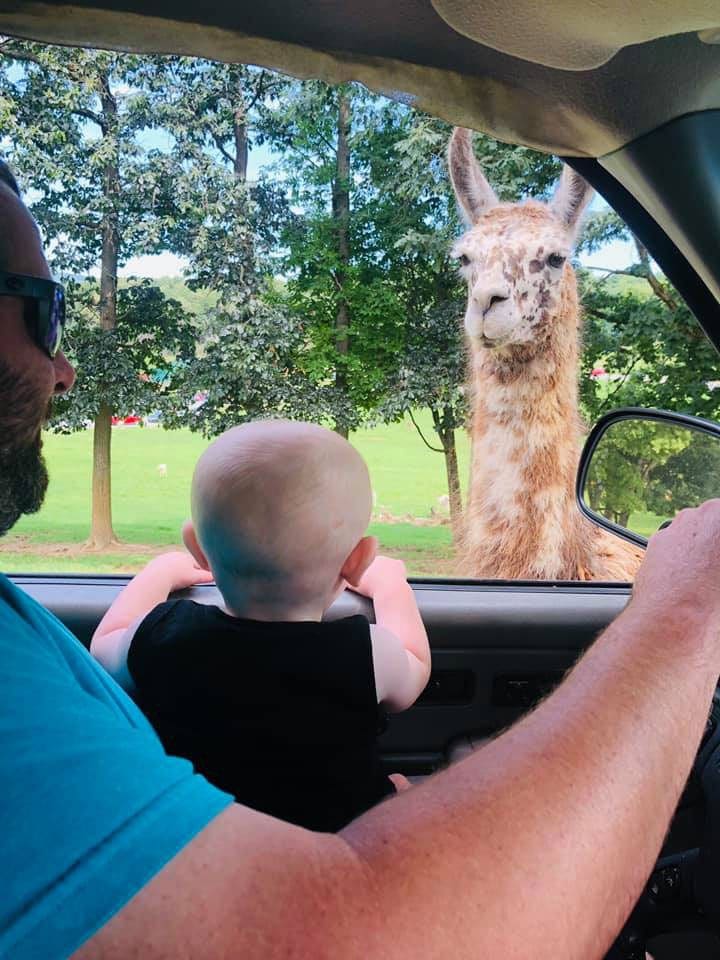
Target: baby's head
x: 279, y: 514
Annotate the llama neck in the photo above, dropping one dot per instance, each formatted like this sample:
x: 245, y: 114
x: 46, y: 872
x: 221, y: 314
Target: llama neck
x: 522, y: 520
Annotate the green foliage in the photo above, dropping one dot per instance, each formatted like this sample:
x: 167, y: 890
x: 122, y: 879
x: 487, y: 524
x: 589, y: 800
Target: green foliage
x: 642, y: 466
x: 68, y: 114
x: 620, y: 479
x: 655, y: 355
x: 247, y: 368
x: 688, y: 477
x: 214, y: 113
x: 133, y: 368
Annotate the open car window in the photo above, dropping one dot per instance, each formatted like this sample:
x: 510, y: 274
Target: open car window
x: 287, y: 248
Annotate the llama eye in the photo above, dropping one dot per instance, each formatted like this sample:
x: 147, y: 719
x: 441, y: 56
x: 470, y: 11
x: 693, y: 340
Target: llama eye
x: 464, y: 260
x: 556, y: 260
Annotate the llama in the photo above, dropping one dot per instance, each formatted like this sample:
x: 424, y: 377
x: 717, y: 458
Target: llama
x: 523, y: 326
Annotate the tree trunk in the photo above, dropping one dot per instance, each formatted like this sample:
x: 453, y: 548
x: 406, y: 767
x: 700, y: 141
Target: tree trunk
x: 453, y: 481
x: 240, y: 133
x: 101, y: 531
x: 443, y: 424
x: 341, y: 216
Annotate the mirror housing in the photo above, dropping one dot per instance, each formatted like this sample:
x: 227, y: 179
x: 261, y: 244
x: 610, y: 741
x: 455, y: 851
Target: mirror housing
x: 639, y: 468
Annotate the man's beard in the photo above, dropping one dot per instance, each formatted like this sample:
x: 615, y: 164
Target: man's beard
x: 23, y: 474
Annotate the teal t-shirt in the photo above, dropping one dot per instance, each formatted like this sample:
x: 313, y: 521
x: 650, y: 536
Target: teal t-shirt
x: 91, y: 806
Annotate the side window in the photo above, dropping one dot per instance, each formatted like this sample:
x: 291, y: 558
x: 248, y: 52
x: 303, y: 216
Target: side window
x: 238, y: 245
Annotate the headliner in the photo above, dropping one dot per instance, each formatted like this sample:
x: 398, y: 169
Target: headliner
x: 567, y: 77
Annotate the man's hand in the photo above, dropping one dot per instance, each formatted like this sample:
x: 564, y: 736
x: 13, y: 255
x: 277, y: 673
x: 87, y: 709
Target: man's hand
x: 383, y: 574
x: 179, y: 570
x: 679, y: 580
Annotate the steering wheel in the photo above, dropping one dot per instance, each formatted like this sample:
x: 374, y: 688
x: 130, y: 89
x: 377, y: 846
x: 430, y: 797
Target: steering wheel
x: 683, y: 892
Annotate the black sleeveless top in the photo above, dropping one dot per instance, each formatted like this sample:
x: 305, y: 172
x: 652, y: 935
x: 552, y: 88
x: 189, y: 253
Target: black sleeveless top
x: 282, y: 715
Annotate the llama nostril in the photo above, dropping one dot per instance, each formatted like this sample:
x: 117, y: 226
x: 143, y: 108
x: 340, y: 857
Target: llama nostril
x: 494, y: 300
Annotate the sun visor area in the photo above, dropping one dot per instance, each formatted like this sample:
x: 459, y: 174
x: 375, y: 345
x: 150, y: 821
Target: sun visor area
x: 575, y: 36
x: 407, y: 51
x: 460, y: 99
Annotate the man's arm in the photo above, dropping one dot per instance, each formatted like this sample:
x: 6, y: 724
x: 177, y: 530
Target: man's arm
x: 153, y: 585
x: 401, y: 652
x: 535, y: 847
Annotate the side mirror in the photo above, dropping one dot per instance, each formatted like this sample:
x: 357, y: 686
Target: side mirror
x: 639, y: 468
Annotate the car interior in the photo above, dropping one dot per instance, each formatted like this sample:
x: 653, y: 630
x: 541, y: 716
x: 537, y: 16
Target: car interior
x: 627, y: 95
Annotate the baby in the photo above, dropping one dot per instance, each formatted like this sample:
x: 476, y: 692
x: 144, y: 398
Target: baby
x: 270, y: 702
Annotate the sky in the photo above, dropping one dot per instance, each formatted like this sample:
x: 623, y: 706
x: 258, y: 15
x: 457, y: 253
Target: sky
x: 613, y: 256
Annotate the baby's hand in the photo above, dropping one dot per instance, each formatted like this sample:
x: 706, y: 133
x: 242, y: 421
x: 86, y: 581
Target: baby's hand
x: 383, y: 572
x: 180, y: 570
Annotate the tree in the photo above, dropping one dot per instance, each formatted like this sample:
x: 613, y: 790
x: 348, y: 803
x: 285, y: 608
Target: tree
x: 226, y: 225
x: 687, y: 477
x: 74, y: 120
x: 643, y: 335
x: 335, y: 263
x: 246, y: 369
x: 248, y: 362
x: 430, y: 373
x: 629, y: 468
x: 134, y: 366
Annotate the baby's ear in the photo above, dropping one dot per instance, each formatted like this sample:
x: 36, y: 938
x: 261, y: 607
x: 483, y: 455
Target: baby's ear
x: 360, y: 558
x: 189, y: 538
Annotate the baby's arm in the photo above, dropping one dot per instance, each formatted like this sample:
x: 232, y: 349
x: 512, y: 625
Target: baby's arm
x: 401, y: 652
x: 153, y: 585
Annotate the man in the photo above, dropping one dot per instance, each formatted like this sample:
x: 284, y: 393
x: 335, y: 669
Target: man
x: 536, y: 847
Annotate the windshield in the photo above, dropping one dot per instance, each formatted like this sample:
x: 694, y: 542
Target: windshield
x: 239, y: 245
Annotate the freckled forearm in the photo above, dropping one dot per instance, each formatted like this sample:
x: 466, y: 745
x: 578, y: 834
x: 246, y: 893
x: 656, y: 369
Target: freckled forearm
x: 524, y: 848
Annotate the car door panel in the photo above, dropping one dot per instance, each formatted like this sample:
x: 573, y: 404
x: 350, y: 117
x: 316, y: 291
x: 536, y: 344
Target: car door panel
x: 497, y: 648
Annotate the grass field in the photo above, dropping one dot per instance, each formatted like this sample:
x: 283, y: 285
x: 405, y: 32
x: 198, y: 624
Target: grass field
x: 148, y: 509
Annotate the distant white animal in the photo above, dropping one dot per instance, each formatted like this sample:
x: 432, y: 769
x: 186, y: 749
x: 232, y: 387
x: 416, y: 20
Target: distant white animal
x: 162, y: 469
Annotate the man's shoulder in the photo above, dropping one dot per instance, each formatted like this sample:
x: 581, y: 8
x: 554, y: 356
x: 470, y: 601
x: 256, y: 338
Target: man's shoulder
x: 87, y: 783
x: 45, y: 664
x: 24, y: 621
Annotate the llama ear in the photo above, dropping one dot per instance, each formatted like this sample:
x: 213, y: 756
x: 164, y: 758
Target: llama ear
x: 473, y: 192
x: 572, y: 196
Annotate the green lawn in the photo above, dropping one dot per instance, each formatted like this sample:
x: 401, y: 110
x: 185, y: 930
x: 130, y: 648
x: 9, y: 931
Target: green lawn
x: 646, y: 524
x: 148, y: 509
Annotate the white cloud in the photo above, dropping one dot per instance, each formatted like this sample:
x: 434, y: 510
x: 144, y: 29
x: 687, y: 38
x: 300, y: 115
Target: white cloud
x: 615, y: 256
x: 160, y: 265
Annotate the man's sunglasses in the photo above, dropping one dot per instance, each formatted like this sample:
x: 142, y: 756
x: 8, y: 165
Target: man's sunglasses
x: 44, y: 302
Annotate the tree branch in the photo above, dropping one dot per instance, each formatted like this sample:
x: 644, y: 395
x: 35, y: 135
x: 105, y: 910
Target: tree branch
x: 624, y: 376
x: 422, y: 436
x: 13, y: 54
x: 259, y: 92
x: 89, y: 115
x: 332, y: 147
x: 655, y: 285
x: 221, y: 148
x: 609, y: 271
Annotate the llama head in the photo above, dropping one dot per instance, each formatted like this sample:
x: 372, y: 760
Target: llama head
x: 514, y: 257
